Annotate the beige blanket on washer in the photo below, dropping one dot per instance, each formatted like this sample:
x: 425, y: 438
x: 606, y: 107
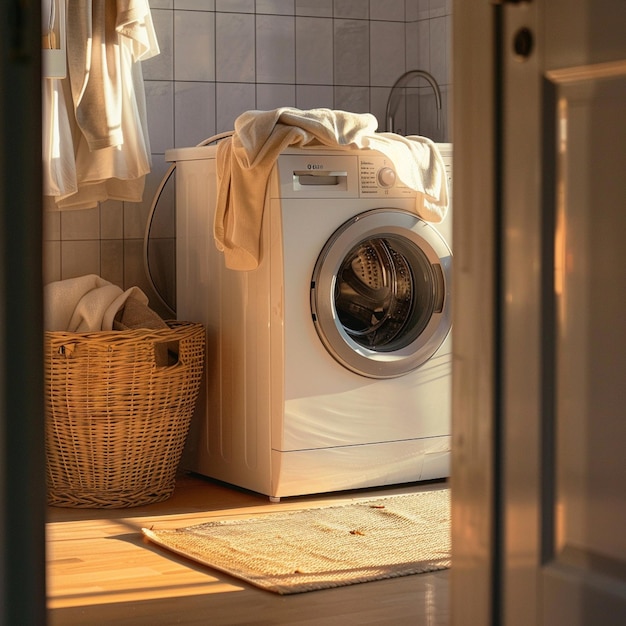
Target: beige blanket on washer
x: 245, y: 160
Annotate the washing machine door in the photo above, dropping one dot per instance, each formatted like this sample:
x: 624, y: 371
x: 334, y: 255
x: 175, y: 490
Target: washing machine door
x: 380, y: 293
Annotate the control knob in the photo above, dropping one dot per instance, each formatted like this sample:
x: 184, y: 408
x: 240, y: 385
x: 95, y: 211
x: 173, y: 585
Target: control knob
x: 386, y: 177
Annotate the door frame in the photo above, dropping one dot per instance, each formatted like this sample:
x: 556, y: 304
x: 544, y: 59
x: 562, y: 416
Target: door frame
x: 474, y: 480
x: 22, y: 454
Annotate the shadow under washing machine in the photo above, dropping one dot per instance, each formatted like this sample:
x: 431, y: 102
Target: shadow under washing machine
x: 329, y: 367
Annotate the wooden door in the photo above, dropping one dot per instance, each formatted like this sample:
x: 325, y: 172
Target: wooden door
x: 539, y: 400
x: 561, y: 502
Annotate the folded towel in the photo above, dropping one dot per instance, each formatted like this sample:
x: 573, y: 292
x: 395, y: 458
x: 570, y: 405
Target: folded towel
x: 245, y: 160
x: 136, y: 314
x: 85, y: 304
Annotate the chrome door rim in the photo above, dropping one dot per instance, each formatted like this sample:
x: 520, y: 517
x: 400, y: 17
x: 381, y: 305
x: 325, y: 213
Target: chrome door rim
x: 421, y: 246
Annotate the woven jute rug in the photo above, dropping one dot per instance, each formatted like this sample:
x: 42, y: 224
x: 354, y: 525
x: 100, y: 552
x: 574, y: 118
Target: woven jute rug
x: 312, y: 549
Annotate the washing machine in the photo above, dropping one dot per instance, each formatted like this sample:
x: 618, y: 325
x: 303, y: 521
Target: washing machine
x: 329, y: 366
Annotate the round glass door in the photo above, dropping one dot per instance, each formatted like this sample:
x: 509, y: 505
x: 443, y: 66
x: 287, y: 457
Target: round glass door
x: 380, y: 293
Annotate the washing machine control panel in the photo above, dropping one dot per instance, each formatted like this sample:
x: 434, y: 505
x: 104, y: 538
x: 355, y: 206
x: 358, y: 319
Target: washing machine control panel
x: 377, y: 178
x: 314, y: 174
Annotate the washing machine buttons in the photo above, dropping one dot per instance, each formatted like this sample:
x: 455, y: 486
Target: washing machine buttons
x: 386, y: 177
x: 378, y: 179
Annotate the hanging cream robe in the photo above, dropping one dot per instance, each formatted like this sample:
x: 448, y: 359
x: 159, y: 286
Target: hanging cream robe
x: 106, y: 115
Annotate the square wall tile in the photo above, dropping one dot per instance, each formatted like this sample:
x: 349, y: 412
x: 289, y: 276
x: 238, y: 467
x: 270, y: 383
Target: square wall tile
x: 439, y: 49
x: 135, y: 217
x: 411, y: 30
x: 112, y: 219
x: 79, y: 258
x: 134, y: 267
x: 387, y: 52
x: 351, y: 8
x: 315, y: 97
x: 234, y: 47
x: 194, y: 45
x: 275, y: 7
x: 160, y: 113
x: 235, y: 6
x: 195, y: 5
x: 232, y: 100
x: 112, y: 261
x: 314, y: 51
x: 80, y: 224
x: 422, y: 61
x: 353, y: 99
x: 270, y: 97
x: 314, y: 8
x: 194, y: 105
x: 391, y: 10
x: 275, y: 49
x: 352, y: 52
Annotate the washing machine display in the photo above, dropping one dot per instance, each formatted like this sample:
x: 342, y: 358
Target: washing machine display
x: 380, y: 293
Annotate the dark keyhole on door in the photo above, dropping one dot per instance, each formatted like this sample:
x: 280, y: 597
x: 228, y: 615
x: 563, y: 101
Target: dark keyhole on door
x: 523, y: 42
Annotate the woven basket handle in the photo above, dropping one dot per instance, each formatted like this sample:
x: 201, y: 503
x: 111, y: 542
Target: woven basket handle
x: 167, y: 353
x: 67, y: 350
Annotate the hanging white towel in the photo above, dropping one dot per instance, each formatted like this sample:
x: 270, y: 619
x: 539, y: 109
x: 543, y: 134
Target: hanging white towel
x: 116, y: 172
x: 59, y: 172
x: 245, y: 160
x: 93, y: 58
x: 106, y: 41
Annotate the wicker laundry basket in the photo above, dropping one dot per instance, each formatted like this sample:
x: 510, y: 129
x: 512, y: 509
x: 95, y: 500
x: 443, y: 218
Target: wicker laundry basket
x: 118, y: 408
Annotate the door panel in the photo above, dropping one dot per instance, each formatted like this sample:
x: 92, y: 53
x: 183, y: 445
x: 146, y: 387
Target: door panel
x: 563, y: 286
x: 588, y: 550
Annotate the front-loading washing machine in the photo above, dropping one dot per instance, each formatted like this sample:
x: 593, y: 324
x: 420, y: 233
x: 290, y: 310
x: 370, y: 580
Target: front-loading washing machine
x: 329, y: 366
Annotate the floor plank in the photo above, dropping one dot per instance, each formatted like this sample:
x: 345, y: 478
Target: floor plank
x: 102, y: 571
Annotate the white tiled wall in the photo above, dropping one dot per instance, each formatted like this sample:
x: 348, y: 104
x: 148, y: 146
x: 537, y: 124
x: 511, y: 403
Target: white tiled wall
x: 222, y: 57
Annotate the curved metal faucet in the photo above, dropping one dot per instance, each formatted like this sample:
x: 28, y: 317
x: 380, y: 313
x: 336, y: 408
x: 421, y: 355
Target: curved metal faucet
x: 402, y: 82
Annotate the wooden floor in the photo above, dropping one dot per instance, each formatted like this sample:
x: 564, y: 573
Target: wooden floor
x: 102, y: 571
